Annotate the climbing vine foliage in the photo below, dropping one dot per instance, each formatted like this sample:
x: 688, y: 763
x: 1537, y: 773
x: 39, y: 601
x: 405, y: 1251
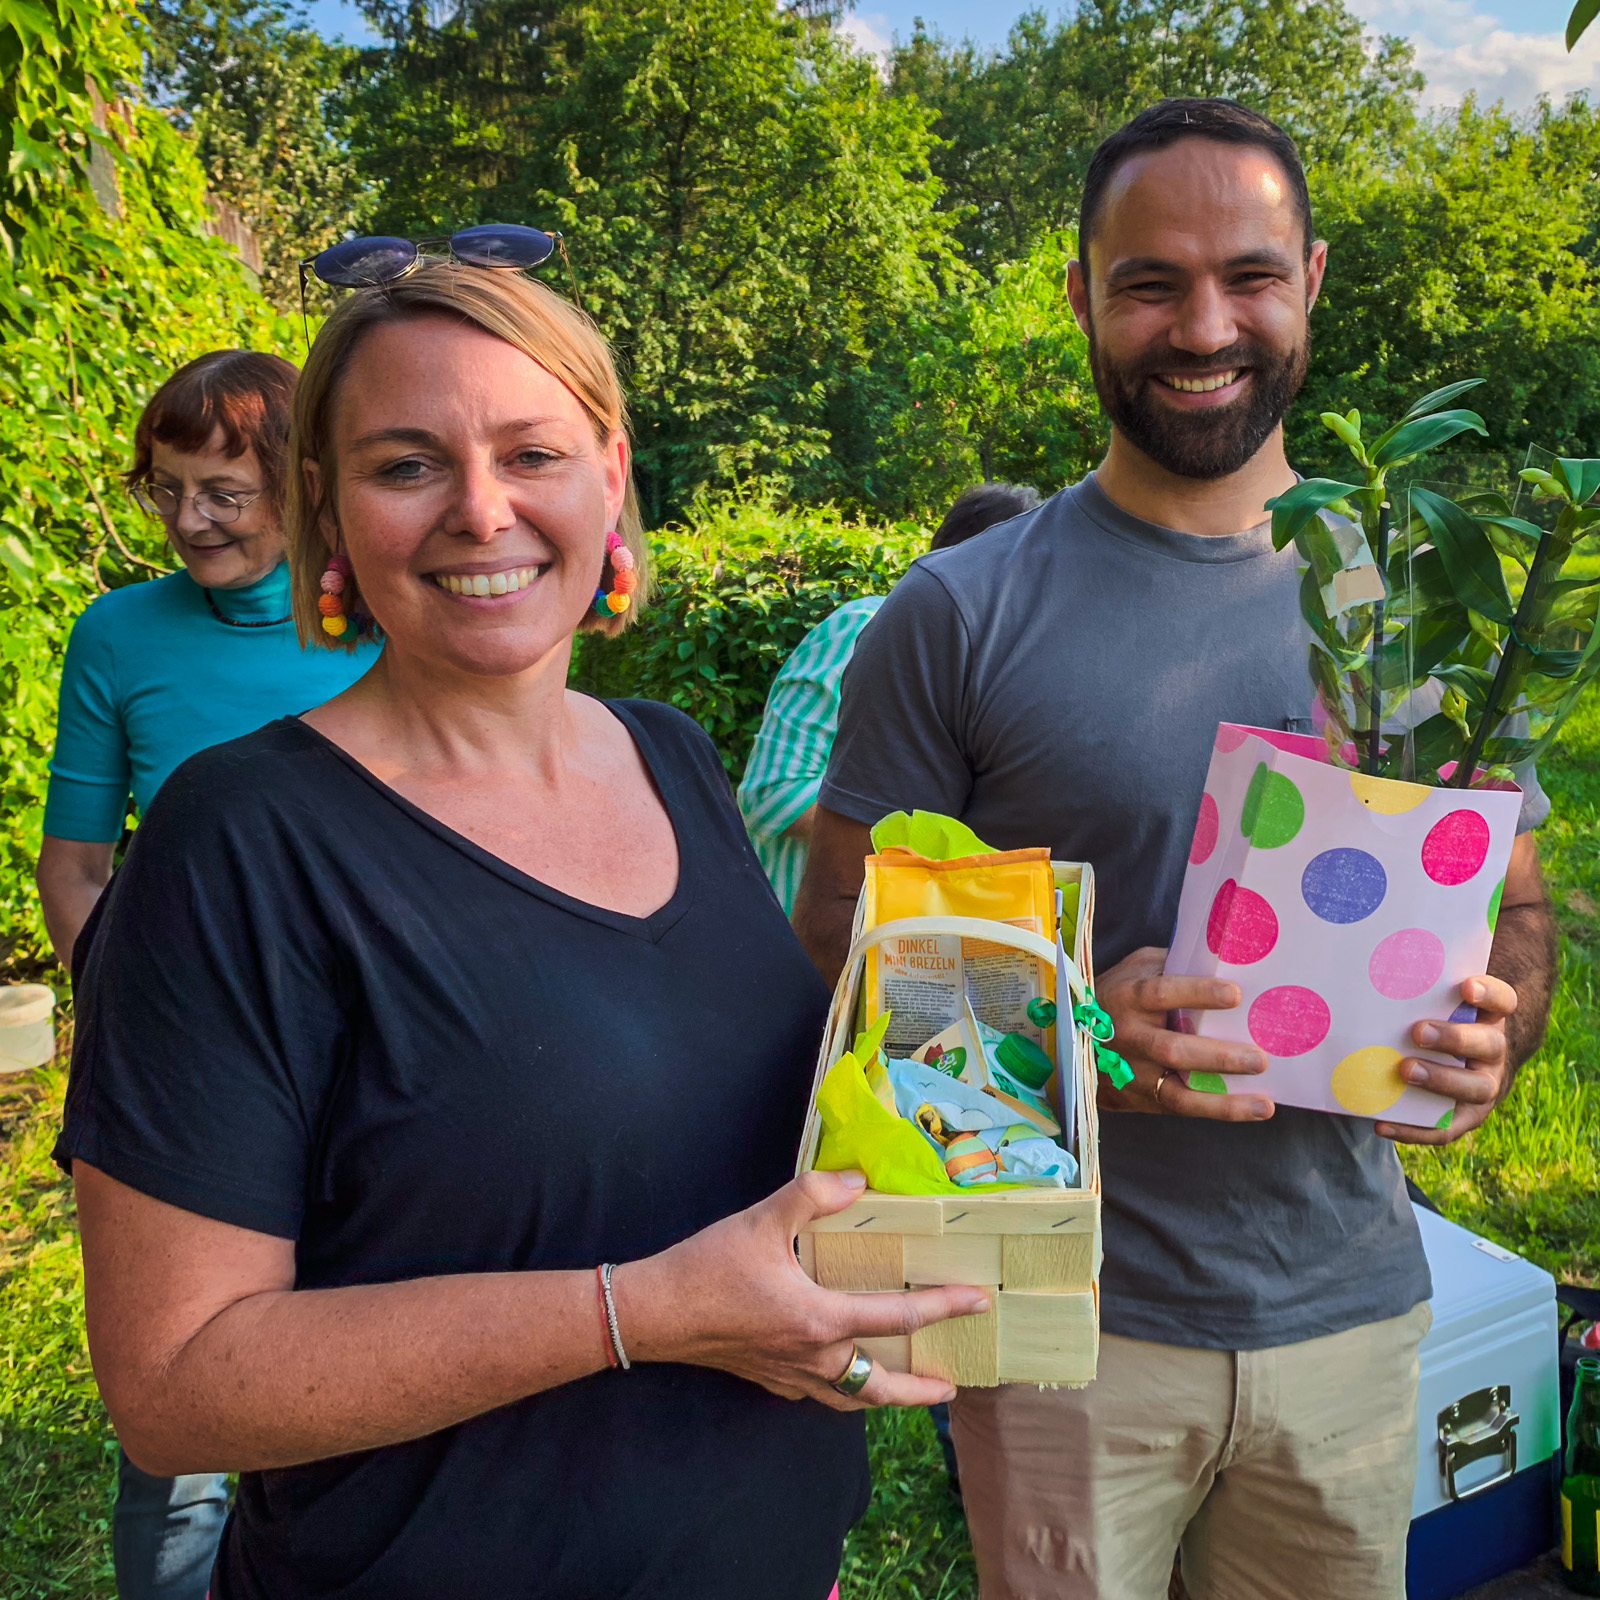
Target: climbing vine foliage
x: 107, y: 281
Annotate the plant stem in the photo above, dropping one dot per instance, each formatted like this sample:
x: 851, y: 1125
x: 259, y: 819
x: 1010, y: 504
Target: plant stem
x: 1462, y: 776
x: 1375, y: 692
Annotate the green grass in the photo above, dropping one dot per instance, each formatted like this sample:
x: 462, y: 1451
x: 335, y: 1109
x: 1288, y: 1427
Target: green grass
x: 1530, y: 1177
x: 57, y: 1460
x: 912, y: 1543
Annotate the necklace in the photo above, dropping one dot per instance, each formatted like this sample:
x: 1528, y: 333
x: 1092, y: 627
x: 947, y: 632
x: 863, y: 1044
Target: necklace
x: 234, y: 622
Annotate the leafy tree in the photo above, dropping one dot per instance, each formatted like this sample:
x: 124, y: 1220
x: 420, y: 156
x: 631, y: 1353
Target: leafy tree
x: 1473, y: 252
x: 997, y: 385
x: 447, y: 112
x: 1021, y: 123
x: 252, y: 82
x: 748, y: 210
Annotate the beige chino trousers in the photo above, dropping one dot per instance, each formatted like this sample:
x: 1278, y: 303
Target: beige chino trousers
x: 1280, y: 1474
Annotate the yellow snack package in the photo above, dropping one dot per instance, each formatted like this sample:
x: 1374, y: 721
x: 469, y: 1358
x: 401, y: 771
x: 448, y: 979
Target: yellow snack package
x: 921, y: 979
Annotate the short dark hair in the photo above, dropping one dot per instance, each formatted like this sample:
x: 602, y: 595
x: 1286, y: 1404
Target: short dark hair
x: 980, y: 507
x: 1168, y: 121
x: 245, y: 393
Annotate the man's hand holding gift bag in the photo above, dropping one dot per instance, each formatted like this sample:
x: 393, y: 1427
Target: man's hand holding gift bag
x: 1511, y: 1002
x: 1143, y: 1002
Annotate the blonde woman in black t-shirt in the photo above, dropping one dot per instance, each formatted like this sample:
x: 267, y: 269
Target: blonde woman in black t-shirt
x: 407, y: 1015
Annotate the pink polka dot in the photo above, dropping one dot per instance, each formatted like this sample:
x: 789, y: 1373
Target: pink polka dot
x: 1456, y: 847
x: 1289, y: 1020
x: 1242, y: 927
x: 1406, y: 964
x: 1230, y: 736
x: 1205, y: 832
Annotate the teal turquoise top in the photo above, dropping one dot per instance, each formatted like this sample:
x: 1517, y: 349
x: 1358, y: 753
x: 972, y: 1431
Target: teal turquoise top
x: 152, y: 677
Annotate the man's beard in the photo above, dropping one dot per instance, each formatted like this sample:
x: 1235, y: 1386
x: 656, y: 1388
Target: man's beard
x: 1211, y: 441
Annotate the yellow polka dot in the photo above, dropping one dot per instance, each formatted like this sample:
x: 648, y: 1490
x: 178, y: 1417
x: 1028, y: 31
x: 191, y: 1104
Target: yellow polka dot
x: 1388, y: 795
x: 1368, y: 1081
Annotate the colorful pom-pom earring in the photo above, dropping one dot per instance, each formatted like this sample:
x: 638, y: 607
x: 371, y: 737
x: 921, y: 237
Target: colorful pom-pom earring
x: 624, y: 578
x: 331, y: 601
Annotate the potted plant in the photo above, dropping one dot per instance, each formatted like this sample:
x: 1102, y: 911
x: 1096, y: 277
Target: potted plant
x: 1349, y: 881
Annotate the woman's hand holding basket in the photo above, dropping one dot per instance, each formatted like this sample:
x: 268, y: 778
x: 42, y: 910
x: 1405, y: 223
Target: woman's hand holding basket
x: 733, y: 1296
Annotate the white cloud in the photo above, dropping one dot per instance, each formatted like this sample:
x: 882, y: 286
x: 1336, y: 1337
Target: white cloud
x: 870, y: 32
x: 1461, y: 50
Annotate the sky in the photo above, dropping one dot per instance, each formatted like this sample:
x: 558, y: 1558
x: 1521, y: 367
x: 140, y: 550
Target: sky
x: 1507, y: 50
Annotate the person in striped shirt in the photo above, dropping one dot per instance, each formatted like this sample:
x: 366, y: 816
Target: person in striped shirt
x: 778, y: 797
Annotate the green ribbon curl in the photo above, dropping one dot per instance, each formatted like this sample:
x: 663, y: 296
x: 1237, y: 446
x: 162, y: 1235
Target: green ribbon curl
x: 1092, y: 1015
x: 1114, y: 1067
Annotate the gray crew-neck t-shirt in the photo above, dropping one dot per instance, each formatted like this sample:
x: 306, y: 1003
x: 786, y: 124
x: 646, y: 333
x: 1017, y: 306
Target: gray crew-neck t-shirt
x: 1059, y: 681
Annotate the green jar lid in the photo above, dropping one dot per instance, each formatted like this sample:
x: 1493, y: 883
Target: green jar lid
x: 1024, y: 1060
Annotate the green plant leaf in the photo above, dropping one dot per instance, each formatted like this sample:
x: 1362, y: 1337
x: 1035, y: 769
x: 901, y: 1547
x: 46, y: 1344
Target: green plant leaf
x: 1473, y: 683
x: 1582, y: 478
x: 1582, y: 15
x: 1430, y: 403
x: 1557, y: 663
x: 1528, y: 530
x: 1295, y: 507
x: 1409, y: 439
x: 1469, y: 558
x: 1434, y: 744
x: 1424, y: 645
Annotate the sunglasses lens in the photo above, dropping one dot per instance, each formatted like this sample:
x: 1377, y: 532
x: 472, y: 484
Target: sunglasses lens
x: 502, y: 245
x: 364, y: 263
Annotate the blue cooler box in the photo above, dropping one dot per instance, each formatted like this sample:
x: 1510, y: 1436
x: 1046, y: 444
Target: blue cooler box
x: 1488, y: 1422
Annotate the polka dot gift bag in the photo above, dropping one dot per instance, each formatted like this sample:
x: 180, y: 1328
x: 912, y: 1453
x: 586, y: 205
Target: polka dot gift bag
x: 1347, y: 908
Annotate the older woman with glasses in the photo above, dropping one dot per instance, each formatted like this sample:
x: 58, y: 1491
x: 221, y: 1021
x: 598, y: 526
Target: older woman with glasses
x: 155, y: 672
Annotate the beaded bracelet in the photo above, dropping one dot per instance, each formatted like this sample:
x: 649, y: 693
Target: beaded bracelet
x: 615, y: 1353
x: 605, y: 1323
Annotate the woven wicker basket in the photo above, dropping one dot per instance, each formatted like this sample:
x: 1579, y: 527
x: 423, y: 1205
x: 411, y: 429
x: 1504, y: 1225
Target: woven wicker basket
x: 1036, y: 1250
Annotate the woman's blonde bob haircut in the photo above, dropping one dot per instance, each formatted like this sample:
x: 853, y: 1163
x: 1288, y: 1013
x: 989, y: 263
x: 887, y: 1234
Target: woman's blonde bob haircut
x: 530, y: 318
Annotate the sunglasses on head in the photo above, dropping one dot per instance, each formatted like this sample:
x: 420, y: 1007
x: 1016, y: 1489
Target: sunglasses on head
x: 378, y: 259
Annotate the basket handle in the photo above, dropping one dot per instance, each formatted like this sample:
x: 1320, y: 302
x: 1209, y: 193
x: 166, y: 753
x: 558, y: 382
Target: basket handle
x: 1023, y: 939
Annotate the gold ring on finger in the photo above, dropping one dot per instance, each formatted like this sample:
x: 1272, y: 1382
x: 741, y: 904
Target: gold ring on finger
x: 1161, y: 1083
x: 853, y: 1379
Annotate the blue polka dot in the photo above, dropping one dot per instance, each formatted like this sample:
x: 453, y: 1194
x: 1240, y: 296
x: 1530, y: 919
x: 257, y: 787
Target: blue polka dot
x: 1344, y: 885
x: 1464, y: 1014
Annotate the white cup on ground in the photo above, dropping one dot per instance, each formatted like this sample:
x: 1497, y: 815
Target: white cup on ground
x: 27, y: 1026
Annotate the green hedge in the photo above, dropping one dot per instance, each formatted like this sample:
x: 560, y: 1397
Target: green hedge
x: 737, y: 589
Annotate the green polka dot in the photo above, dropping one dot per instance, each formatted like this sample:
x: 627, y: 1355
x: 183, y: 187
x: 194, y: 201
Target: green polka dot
x: 1494, y: 904
x: 1444, y: 1121
x: 1207, y: 1082
x: 1273, y: 810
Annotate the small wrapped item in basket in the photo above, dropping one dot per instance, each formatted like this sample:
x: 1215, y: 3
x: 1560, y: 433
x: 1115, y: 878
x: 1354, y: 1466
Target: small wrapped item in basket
x: 957, y: 1071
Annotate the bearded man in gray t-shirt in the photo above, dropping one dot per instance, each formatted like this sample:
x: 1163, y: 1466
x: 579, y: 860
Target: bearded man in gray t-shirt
x: 1058, y: 682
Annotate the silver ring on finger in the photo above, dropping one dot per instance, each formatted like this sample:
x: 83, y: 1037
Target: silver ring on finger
x: 853, y: 1379
x: 1161, y: 1083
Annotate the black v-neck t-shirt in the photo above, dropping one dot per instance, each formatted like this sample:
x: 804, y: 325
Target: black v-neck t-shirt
x: 310, y: 1009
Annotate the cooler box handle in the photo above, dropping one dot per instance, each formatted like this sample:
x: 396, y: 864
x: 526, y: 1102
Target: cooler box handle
x: 1477, y: 1427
